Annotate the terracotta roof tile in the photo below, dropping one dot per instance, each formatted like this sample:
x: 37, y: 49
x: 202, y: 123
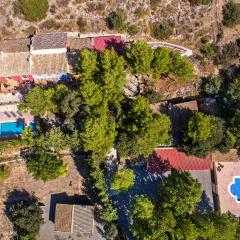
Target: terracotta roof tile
x: 164, y: 159
x: 102, y: 43
x: 15, y: 45
x: 49, y: 41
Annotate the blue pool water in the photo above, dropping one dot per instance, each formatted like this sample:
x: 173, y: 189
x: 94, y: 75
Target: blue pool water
x: 12, y: 128
x: 235, y: 188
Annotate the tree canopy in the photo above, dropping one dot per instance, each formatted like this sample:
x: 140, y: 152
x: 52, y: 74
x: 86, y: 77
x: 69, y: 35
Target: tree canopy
x: 140, y: 56
x: 203, y: 134
x: 161, y: 61
x: 180, y: 193
x: 45, y: 166
x: 26, y: 217
x: 162, y: 30
x: 181, y: 68
x: 143, y: 128
x: 123, y: 179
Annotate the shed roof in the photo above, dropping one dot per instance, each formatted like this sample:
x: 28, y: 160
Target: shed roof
x: 79, y: 43
x: 164, y: 159
x: 50, y: 64
x: 63, y: 218
x: 49, y: 41
x: 224, y: 176
x: 15, y: 45
x: 77, y: 219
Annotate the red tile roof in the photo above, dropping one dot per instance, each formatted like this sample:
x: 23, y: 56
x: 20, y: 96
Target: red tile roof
x: 163, y: 159
x: 102, y: 43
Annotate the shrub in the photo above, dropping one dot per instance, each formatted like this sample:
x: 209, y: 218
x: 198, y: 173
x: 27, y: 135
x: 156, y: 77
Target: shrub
x: 161, y: 30
x: 111, y: 231
x: 123, y: 179
x: 210, y: 85
x: 4, y: 173
x: 30, y: 30
x: 51, y: 24
x: 200, y: 2
x: 33, y: 10
x: 82, y: 24
x: 153, y: 96
x: 208, y: 50
x: 231, y: 14
x: 117, y: 20
x: 132, y: 29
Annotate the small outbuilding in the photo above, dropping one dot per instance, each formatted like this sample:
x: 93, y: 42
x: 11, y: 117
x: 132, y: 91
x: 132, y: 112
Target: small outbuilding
x: 76, y: 220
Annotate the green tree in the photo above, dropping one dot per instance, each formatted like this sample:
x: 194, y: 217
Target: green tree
x: 231, y: 14
x: 210, y: 85
x: 123, y: 179
x: 161, y: 30
x: 70, y: 107
x: 143, y: 128
x: 31, y: 12
x: 112, y: 76
x: 181, y: 68
x: 98, y: 134
x: 90, y: 93
x: 26, y: 218
x: 117, y: 20
x: 139, y: 57
x: 180, y: 193
x: 231, y: 97
x: 45, y: 166
x: 142, y: 208
x: 161, y: 62
x: 87, y: 65
x: 42, y: 102
x: 203, y: 134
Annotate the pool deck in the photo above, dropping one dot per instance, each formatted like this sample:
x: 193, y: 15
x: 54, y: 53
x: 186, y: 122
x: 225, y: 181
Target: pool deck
x: 12, y: 116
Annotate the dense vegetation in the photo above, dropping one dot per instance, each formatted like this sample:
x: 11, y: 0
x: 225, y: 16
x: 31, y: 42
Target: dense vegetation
x: 142, y: 59
x: 203, y: 135
x: 123, y: 179
x: 26, y: 217
x: 33, y: 10
x: 175, y: 214
x: 46, y: 166
x: 231, y: 14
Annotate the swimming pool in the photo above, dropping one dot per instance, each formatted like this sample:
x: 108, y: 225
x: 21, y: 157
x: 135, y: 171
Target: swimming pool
x: 12, y: 128
x: 234, y: 188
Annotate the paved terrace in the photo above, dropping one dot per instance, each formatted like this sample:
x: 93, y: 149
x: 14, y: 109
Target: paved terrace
x: 13, y: 116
